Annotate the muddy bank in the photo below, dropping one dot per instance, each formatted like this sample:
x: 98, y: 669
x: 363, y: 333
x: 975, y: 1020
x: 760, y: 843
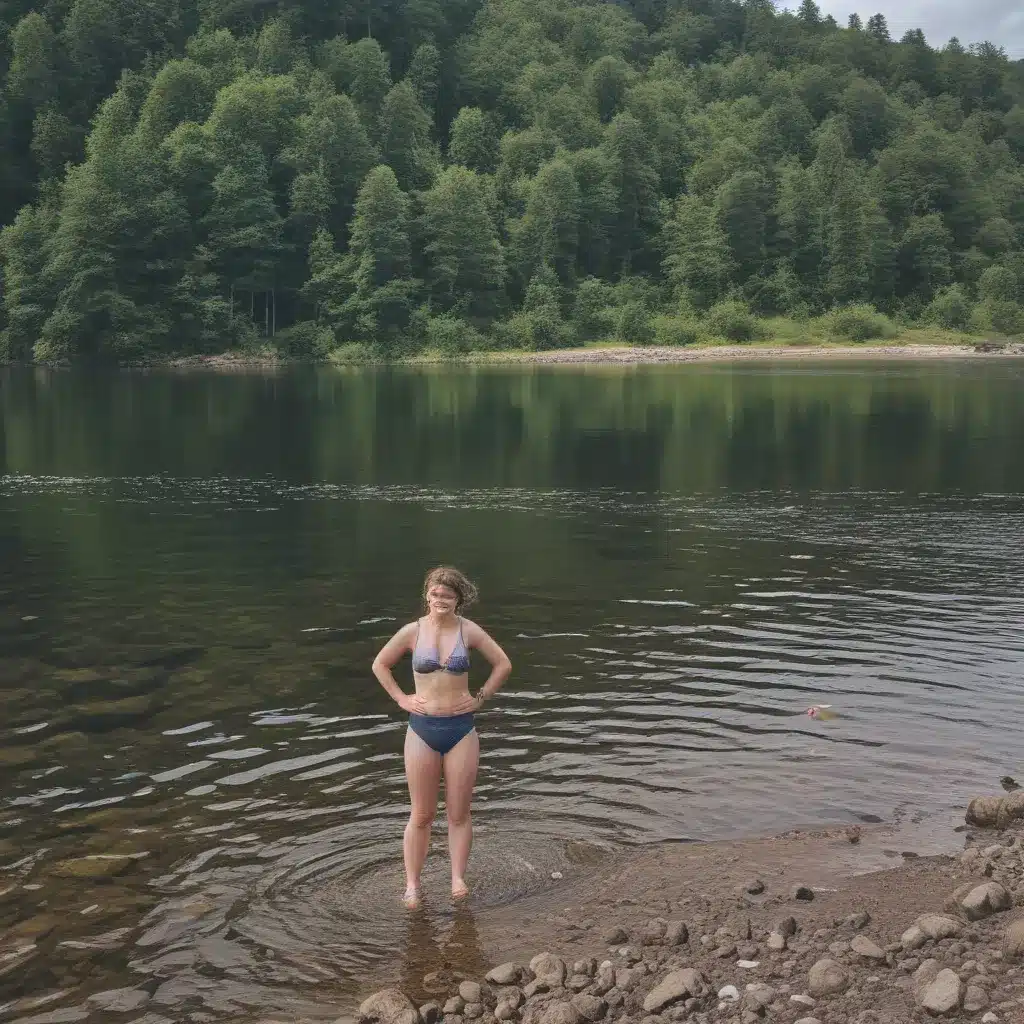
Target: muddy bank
x: 840, y: 926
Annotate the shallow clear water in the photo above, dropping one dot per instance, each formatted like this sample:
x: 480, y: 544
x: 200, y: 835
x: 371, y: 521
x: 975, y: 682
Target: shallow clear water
x: 198, y: 569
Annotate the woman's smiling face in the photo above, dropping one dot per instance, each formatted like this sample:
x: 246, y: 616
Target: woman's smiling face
x: 442, y: 600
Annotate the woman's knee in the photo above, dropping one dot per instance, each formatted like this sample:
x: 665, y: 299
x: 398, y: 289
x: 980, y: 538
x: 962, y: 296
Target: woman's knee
x: 421, y: 817
x: 458, y: 816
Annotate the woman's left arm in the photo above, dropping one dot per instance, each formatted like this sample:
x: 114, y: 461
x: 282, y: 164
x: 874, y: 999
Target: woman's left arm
x: 479, y: 639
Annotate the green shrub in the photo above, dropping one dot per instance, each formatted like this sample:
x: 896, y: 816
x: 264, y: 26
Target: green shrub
x: 678, y: 330
x: 999, y: 283
x: 857, y: 323
x: 634, y: 324
x: 951, y: 309
x: 733, y: 320
x: 451, y: 336
x: 593, y: 313
x: 306, y: 340
x: 999, y: 315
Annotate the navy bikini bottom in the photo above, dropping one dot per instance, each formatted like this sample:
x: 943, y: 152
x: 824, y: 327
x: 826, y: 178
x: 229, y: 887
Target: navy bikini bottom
x: 441, y: 732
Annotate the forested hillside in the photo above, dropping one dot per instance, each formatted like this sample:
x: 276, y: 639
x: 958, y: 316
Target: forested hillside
x: 185, y: 176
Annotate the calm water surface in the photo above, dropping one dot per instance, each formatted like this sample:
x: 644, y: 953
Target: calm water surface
x: 201, y: 787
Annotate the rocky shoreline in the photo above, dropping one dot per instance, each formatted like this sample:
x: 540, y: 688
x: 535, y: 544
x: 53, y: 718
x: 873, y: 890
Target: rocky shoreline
x: 936, y: 937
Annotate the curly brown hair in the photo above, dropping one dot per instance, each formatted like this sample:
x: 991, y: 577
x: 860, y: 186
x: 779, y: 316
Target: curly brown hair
x: 446, y: 576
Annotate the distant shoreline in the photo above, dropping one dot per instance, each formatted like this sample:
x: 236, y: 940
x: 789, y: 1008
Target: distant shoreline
x: 597, y: 355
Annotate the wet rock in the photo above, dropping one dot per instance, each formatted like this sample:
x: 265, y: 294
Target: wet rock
x: 676, y: 933
x: 985, y: 900
x: 975, y: 999
x: 591, y: 1008
x: 505, y: 974
x: 548, y: 967
x: 673, y: 987
x: 1013, y: 941
x: 943, y: 995
x: 430, y: 1013
x: 97, y: 865
x: 786, y: 927
x: 1011, y: 808
x: 471, y: 992
x: 863, y: 946
x: 755, y: 887
x: 804, y: 893
x: 615, y: 937
x: 119, y: 1000
x: 827, y: 978
x: 388, y: 1006
x: 983, y: 811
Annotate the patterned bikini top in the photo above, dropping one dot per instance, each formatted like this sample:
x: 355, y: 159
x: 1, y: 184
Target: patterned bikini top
x: 426, y: 660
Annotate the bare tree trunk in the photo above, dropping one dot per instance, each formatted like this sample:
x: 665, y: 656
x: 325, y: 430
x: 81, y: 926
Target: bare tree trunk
x: 231, y: 318
x: 266, y: 314
x: 273, y: 326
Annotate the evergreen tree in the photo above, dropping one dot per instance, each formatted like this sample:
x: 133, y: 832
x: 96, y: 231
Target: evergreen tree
x: 698, y: 261
x: 405, y: 138
x: 472, y: 142
x: 465, y: 263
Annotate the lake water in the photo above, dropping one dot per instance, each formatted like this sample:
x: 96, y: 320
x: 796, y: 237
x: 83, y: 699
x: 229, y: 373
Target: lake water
x: 201, y: 786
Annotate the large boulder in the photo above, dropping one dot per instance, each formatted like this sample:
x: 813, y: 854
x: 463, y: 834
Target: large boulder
x: 1011, y: 809
x: 983, y: 811
x: 389, y: 1006
x: 938, y: 926
x: 550, y: 968
x: 1013, y: 941
x: 827, y: 978
x: 505, y: 974
x: 986, y: 900
x: 674, y: 987
x: 944, y: 994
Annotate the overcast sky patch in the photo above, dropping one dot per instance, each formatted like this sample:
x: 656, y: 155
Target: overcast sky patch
x: 998, y: 21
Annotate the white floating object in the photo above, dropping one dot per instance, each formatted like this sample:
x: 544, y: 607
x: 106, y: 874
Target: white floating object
x: 556, y: 875
x: 729, y: 993
x: 748, y: 963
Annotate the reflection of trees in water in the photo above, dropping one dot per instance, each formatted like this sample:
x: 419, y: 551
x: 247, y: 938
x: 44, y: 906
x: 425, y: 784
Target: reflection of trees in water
x: 448, y: 948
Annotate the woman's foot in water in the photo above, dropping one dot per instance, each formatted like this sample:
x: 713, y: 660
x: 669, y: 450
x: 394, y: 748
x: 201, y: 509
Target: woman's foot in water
x: 459, y: 889
x: 412, y: 898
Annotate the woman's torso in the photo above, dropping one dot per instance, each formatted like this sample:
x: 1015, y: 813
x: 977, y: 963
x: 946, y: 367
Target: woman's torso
x: 440, y: 667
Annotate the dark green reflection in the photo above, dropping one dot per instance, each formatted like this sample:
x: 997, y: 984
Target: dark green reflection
x: 690, y: 429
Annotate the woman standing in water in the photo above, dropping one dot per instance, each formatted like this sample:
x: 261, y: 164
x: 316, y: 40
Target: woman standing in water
x: 441, y: 734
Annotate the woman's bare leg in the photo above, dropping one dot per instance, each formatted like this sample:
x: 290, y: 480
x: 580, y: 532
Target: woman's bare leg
x: 460, y: 764
x: 423, y: 773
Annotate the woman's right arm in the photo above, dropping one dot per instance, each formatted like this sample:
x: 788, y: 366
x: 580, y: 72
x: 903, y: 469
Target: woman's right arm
x: 389, y: 656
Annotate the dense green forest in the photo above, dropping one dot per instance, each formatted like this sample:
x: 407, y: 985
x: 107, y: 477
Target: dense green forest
x: 188, y: 176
